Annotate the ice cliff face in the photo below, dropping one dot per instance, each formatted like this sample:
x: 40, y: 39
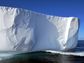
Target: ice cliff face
x: 24, y: 30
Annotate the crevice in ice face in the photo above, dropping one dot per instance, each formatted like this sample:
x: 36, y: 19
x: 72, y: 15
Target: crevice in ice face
x: 72, y: 34
x: 67, y: 31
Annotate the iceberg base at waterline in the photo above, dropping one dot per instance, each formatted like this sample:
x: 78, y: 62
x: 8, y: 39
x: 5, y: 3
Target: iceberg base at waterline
x: 44, y: 57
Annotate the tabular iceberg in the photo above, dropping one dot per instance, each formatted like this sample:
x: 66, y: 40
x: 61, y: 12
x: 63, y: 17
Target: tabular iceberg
x: 24, y: 30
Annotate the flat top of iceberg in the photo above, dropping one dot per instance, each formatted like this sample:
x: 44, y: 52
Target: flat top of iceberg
x: 27, y: 10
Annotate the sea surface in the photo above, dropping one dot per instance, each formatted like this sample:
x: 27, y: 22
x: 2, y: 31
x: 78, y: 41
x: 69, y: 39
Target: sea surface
x: 48, y: 56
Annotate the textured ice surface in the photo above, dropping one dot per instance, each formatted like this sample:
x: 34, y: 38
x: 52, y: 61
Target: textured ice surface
x: 24, y: 30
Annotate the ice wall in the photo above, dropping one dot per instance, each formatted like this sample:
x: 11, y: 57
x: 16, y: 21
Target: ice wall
x: 24, y: 30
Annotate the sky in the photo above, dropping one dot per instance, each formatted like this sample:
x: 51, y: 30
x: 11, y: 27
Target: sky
x: 52, y: 7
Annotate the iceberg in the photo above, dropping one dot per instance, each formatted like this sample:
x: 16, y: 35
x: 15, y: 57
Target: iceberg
x: 26, y: 31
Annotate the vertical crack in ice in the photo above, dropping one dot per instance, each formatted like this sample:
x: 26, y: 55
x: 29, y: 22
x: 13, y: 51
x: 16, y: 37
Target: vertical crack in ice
x: 67, y: 31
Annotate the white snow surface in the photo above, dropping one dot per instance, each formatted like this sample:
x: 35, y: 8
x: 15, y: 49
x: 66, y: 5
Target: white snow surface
x: 25, y: 30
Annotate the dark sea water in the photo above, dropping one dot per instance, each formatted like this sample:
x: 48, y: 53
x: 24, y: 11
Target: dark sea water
x: 74, y: 56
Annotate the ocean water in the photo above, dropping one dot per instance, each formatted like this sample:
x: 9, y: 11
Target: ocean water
x: 74, y: 56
